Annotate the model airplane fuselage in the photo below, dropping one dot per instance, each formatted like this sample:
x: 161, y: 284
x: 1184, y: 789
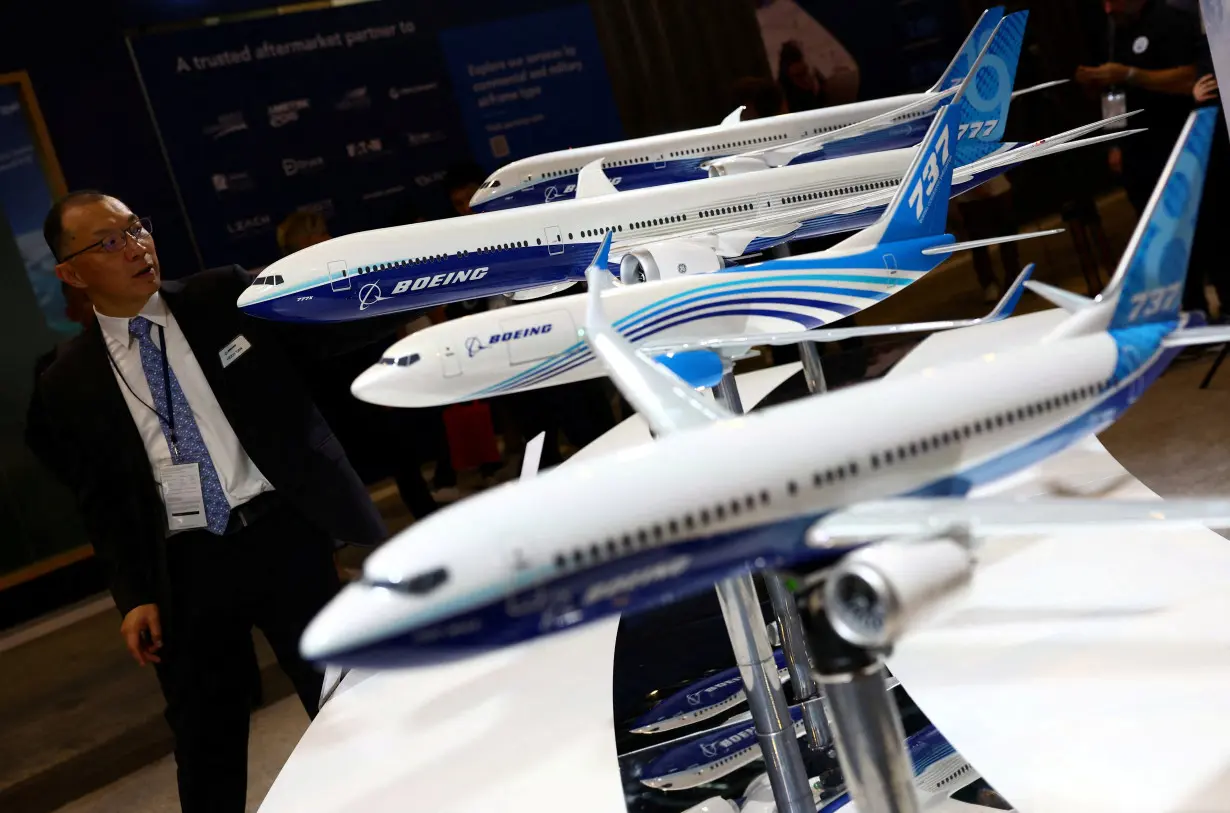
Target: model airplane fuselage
x: 682, y: 156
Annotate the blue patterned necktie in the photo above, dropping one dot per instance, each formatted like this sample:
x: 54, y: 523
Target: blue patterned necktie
x: 187, y: 434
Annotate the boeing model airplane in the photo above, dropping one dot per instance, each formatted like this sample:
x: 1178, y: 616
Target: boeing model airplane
x: 851, y: 129
x: 710, y: 756
x: 534, y: 344
x: 718, y: 693
x: 658, y: 233
x: 719, y: 494
x: 945, y: 781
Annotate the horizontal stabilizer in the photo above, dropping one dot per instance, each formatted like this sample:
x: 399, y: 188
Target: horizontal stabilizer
x: 952, y: 248
x: 1058, y: 296
x: 1208, y: 334
x: 1042, y: 86
x: 538, y: 293
x: 928, y: 518
x: 700, y: 368
x: 1002, y: 310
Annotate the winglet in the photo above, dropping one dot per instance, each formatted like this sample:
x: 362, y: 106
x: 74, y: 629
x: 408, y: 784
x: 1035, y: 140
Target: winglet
x: 593, y: 182
x: 734, y: 117
x: 1071, y: 302
x: 1004, y: 308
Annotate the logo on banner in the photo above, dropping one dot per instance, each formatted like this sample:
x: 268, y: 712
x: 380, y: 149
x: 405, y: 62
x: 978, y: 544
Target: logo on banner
x: 324, y: 208
x: 287, y: 112
x: 430, y: 178
x: 419, y: 139
x: 297, y: 166
x: 384, y: 193
x: 354, y: 99
x: 226, y: 124
x: 247, y: 225
x: 396, y: 93
x: 231, y: 182
x: 370, y: 147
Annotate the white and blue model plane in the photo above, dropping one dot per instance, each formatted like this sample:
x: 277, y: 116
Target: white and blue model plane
x: 734, y: 145
x: 708, y: 697
x: 534, y: 344
x: 682, y: 229
x: 719, y: 494
x: 945, y: 780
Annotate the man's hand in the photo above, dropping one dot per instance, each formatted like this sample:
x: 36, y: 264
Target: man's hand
x: 1112, y: 73
x: 142, y: 631
x: 1114, y: 159
x: 1205, y: 89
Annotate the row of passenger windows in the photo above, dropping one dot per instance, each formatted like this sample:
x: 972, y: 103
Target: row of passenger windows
x: 845, y: 190
x: 659, y: 533
x: 915, y: 115
x: 623, y: 162
x: 829, y: 129
x: 750, y: 142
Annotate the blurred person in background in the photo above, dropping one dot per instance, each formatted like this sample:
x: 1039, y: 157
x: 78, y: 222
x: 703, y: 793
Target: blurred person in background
x: 1149, y: 54
x: 802, y: 85
x: 1208, y: 262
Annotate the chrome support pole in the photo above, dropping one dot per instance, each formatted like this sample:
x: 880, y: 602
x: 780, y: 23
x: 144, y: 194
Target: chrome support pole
x: 799, y: 660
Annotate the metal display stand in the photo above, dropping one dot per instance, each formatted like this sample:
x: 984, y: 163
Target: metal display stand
x: 754, y: 657
x: 799, y: 660
x: 866, y: 723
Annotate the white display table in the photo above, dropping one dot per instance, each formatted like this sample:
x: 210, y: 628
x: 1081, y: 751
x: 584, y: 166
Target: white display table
x: 1087, y: 673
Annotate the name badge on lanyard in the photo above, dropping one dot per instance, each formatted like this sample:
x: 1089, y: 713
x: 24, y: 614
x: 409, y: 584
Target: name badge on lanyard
x: 183, y: 496
x: 1114, y: 103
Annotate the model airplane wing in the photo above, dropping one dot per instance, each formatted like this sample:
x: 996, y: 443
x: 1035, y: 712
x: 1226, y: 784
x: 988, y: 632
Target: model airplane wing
x: 665, y: 401
x: 1002, y: 310
x: 974, y: 518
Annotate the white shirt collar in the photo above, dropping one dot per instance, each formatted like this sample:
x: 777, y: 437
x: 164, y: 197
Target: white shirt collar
x: 116, y: 327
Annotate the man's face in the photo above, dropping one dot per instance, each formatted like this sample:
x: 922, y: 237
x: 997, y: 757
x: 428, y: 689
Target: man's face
x: 461, y: 198
x: 128, y: 272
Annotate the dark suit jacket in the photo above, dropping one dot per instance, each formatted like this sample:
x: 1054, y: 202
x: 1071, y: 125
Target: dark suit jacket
x: 81, y: 428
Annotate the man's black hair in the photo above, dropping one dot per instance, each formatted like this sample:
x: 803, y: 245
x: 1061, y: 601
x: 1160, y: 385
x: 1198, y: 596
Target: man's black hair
x: 53, y: 224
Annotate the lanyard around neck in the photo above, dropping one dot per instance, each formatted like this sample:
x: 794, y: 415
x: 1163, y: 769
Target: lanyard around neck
x: 168, y: 419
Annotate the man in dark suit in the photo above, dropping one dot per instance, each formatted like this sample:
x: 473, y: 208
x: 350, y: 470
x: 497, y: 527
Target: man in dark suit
x: 207, y: 480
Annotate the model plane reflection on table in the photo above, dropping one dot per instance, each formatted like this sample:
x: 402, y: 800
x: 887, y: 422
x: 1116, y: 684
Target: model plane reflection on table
x: 719, y: 494
x: 692, y: 228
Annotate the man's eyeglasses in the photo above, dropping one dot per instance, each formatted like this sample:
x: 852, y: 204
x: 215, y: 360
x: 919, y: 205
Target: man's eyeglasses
x: 116, y: 240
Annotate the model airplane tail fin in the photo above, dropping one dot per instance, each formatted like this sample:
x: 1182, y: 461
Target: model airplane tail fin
x: 919, y: 207
x: 983, y: 106
x: 958, y: 69
x: 1148, y: 284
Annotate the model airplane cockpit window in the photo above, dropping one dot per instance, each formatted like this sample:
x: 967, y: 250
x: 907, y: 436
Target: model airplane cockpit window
x: 401, y: 361
x: 268, y: 279
x: 423, y: 583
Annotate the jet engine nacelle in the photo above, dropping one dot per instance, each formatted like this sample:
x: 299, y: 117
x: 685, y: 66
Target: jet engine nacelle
x: 735, y: 165
x: 877, y: 592
x: 658, y: 261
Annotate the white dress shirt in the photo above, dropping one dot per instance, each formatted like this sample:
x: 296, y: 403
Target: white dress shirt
x: 241, y: 479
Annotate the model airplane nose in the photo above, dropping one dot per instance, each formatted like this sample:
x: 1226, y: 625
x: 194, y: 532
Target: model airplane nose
x: 390, y: 385
x: 357, y: 617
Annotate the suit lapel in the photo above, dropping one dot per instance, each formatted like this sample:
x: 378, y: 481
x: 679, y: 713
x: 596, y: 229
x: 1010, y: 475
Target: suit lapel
x: 197, y: 331
x: 93, y: 380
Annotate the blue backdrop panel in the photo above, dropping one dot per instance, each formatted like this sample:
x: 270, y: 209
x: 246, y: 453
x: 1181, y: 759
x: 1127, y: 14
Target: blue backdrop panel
x: 348, y: 111
x: 538, y: 86
x: 25, y: 197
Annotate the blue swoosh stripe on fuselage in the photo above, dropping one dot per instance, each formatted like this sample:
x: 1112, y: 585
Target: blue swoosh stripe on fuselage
x: 769, y: 546
x: 578, y: 353
x: 627, y: 323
